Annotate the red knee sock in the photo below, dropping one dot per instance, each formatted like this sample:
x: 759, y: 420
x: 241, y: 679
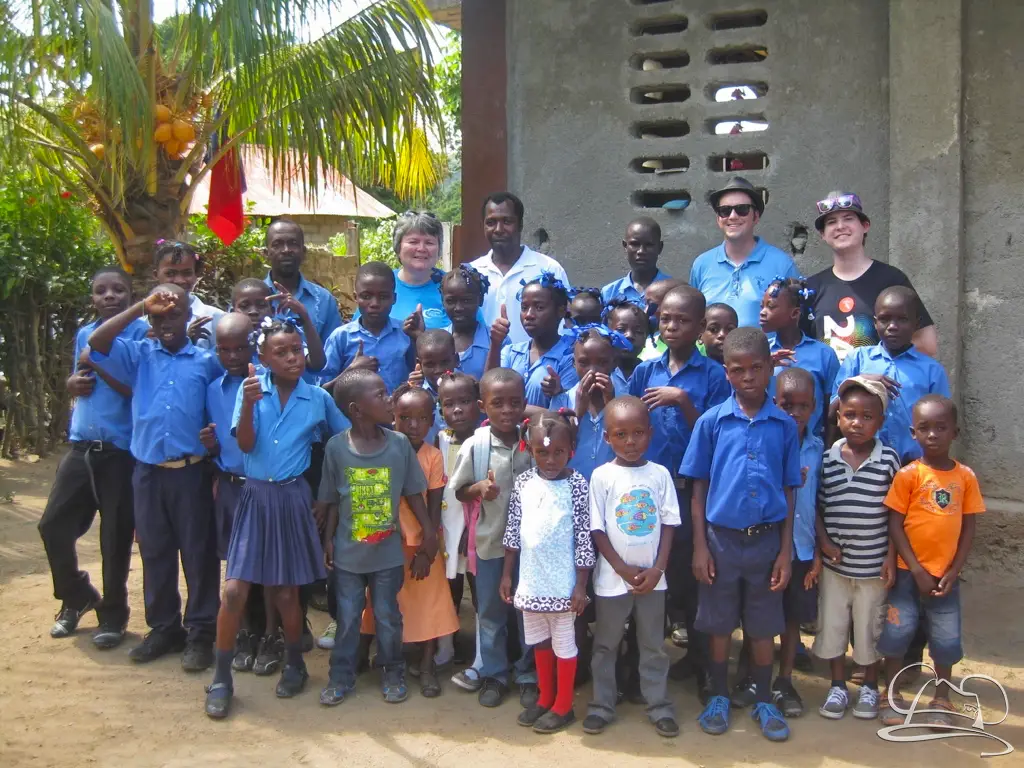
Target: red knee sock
x: 566, y: 686
x: 545, y: 660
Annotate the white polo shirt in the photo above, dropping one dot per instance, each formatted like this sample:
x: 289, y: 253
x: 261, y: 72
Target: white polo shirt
x: 504, y: 289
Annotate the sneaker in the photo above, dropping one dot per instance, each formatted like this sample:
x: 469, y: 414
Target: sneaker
x: 326, y: 640
x: 529, y: 716
x: 787, y: 700
x: 198, y: 656
x: 468, y: 680
x: 773, y: 724
x: 744, y: 693
x: 868, y: 701
x: 218, y: 700
x: 679, y: 636
x: 333, y: 694
x: 293, y: 680
x: 66, y: 621
x: 393, y: 687
x: 594, y: 724
x: 156, y: 644
x: 492, y: 692
x: 108, y: 636
x: 835, y: 704
x: 715, y: 717
x: 270, y: 655
x: 529, y: 693
x: 246, y: 645
x: 552, y: 722
x: 666, y: 727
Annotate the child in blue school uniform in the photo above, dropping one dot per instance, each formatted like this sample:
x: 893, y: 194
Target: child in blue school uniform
x: 435, y: 354
x: 719, y: 321
x: 585, y: 306
x: 374, y: 341
x: 94, y: 476
x: 178, y: 263
x: 744, y: 461
x: 274, y: 539
x: 907, y: 373
x: 643, y: 245
x: 462, y: 293
x: 630, y: 320
x: 172, y: 483
x: 783, y: 306
x: 545, y: 361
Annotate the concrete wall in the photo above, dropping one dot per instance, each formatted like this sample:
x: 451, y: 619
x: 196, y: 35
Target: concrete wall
x: 570, y: 117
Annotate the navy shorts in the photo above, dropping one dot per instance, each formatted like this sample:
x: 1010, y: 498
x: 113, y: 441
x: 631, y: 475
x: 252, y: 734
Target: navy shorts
x: 741, y: 589
x: 798, y: 604
x: 907, y: 608
x: 224, y: 510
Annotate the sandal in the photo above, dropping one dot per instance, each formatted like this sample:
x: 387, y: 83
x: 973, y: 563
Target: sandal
x: 430, y: 686
x: 889, y: 716
x: 939, y: 720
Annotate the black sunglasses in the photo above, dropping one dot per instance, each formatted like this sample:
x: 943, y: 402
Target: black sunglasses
x: 725, y: 211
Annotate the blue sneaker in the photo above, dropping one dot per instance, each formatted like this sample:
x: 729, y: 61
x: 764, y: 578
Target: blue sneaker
x: 773, y: 724
x: 715, y: 717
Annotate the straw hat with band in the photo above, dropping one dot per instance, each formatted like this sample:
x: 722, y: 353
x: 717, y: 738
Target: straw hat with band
x: 872, y: 386
x: 738, y: 184
x: 839, y: 201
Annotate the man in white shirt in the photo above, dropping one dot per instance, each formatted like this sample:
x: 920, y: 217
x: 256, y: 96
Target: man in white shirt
x: 509, y: 263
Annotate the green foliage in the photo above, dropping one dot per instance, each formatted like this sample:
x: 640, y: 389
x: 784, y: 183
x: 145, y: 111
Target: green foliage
x: 376, y: 242
x: 223, y: 266
x: 449, y: 90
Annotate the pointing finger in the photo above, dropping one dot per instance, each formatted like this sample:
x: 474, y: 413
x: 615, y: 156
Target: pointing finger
x: 252, y: 370
x: 504, y: 312
x: 281, y: 288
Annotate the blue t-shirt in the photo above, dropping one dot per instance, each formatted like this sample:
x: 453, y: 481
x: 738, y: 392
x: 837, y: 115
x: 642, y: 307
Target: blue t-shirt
x: 319, y: 303
x: 741, y: 287
x: 407, y: 296
x: 391, y: 347
x: 221, y: 396
x: 473, y: 359
x: 559, y: 357
x: 821, y: 362
x: 804, y: 536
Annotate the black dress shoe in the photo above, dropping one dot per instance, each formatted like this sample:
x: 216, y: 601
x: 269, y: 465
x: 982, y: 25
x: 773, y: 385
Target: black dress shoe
x: 108, y: 636
x: 66, y: 621
x: 198, y: 656
x: 218, y: 700
x: 293, y: 680
x: 157, y: 644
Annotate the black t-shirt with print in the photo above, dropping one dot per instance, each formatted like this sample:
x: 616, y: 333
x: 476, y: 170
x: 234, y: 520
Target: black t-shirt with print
x: 844, y: 309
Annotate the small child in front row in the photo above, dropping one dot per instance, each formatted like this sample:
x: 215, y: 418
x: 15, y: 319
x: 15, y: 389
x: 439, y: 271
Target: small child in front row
x: 633, y: 513
x: 744, y: 460
x: 630, y: 320
x: 368, y: 471
x: 853, y: 536
x: 549, y: 533
x: 424, y: 599
x: 435, y: 354
x: 934, y: 502
x: 274, y: 538
x: 720, y: 320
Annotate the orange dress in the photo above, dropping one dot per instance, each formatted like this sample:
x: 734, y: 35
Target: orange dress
x: 426, y: 605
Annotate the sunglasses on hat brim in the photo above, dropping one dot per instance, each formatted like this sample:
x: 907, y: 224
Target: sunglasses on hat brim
x: 840, y: 203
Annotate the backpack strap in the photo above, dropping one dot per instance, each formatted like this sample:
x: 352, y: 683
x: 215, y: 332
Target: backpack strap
x: 481, y: 449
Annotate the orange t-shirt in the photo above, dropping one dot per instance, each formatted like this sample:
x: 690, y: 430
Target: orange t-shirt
x: 934, y: 503
x: 432, y: 464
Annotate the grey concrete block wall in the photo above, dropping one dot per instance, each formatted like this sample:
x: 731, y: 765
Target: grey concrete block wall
x: 570, y: 121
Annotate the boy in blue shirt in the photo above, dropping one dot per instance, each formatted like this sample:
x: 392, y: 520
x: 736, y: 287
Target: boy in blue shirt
x: 643, y: 246
x: 94, y: 476
x: 744, y: 460
x: 374, y: 341
x: 169, y: 376
x: 907, y: 373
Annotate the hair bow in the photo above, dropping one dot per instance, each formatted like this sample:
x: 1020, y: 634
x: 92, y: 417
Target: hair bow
x: 616, y: 339
x: 614, y: 304
x: 579, y: 290
x: 469, y: 273
x: 547, y: 280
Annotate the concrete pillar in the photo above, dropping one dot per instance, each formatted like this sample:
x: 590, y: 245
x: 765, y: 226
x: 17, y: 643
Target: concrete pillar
x: 926, y: 180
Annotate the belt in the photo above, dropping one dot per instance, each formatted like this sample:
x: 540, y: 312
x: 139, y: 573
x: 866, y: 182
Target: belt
x: 232, y: 477
x: 184, y: 461
x: 94, y: 446
x: 757, y: 530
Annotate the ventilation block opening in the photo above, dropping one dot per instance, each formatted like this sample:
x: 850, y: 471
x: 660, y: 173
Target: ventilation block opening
x: 737, y: 91
x: 649, y: 62
x: 661, y: 129
x: 738, y: 54
x: 726, y: 126
x: 738, y: 20
x: 668, y: 200
x: 660, y: 94
x: 738, y: 161
x: 661, y: 165
x: 668, y: 25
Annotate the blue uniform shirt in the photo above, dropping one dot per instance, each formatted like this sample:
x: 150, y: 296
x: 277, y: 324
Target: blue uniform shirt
x: 624, y: 288
x: 918, y: 375
x: 748, y: 463
x: 104, y: 415
x: 284, y: 438
x: 820, y: 361
x: 741, y: 287
x: 559, y: 357
x: 220, y: 408
x: 390, y: 347
x: 804, y: 536
x: 319, y: 303
x: 620, y: 383
x: 591, y: 449
x: 473, y: 359
x: 168, y: 395
x: 705, y: 384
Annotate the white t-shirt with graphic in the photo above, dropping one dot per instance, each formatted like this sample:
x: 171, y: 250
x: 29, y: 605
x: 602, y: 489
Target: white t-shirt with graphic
x: 630, y: 504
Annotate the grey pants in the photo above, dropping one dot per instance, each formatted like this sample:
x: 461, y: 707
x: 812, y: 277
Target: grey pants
x: 649, y: 614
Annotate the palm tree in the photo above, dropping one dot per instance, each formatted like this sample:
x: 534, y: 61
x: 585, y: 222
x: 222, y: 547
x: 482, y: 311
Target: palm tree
x: 135, y: 115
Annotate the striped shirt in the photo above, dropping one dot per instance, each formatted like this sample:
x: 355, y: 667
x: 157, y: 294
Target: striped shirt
x: 853, y: 508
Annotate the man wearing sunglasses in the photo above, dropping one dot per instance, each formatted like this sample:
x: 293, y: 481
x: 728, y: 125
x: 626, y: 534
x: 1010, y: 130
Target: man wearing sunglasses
x: 738, y: 271
x: 845, y: 293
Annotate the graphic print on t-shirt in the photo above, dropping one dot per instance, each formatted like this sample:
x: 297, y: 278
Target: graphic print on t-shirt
x: 372, y: 518
x: 943, y: 501
x: 636, y: 514
x: 855, y: 331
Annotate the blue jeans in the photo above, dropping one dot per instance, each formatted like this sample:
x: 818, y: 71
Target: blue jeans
x: 908, y: 609
x: 492, y: 614
x: 350, y: 592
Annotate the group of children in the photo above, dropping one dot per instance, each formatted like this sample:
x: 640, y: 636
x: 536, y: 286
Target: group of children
x: 650, y: 461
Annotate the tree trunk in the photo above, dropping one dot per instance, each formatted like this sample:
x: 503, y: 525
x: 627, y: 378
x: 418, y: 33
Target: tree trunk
x: 150, y: 219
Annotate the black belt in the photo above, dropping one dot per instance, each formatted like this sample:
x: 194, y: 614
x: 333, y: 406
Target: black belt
x: 94, y: 446
x: 753, y: 530
x: 232, y: 478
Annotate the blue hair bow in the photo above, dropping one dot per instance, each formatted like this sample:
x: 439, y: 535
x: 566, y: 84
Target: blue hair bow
x: 468, y: 273
x: 546, y: 280
x: 616, y: 339
x: 580, y: 290
x: 614, y: 304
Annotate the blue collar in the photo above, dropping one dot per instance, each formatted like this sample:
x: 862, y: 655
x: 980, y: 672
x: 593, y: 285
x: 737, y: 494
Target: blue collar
x: 659, y: 276
x: 768, y: 410
x: 693, y: 361
x: 356, y: 326
x: 879, y: 352
x: 755, y: 256
x: 188, y: 349
x: 774, y: 343
x: 303, y: 286
x: 481, y: 336
x: 227, y: 378
x: 302, y: 389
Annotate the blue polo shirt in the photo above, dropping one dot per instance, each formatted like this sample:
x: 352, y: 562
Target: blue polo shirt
x: 319, y: 303
x: 620, y: 382
x: 220, y: 410
x: 811, y: 451
x: 591, y: 449
x: 168, y: 395
x: 105, y: 414
x: 473, y: 359
x: 284, y: 438
x: 820, y: 361
x: 748, y: 463
x: 625, y: 288
x: 918, y: 375
x: 741, y: 287
x: 559, y: 357
x: 704, y: 382
x: 391, y: 347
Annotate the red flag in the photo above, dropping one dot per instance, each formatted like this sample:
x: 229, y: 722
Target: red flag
x: 224, y: 212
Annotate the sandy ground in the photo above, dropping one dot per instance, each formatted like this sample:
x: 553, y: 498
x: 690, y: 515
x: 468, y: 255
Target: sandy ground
x: 64, y: 703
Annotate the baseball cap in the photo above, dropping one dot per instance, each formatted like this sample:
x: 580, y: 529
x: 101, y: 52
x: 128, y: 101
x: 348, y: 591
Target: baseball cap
x: 838, y: 201
x: 738, y: 184
x: 872, y: 386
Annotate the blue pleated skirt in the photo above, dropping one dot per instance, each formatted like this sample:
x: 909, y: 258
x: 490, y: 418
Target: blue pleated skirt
x: 274, y: 540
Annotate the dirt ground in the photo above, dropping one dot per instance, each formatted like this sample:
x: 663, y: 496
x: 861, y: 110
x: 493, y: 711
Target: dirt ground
x: 64, y: 703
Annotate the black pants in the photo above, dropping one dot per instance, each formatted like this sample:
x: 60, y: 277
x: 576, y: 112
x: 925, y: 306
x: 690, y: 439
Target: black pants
x: 91, y: 478
x: 681, y: 605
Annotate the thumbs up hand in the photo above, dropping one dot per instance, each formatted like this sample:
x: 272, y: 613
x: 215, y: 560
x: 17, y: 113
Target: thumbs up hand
x: 416, y: 377
x: 414, y: 324
x: 552, y: 383
x: 208, y: 437
x: 365, y: 362
x: 488, y: 489
x: 252, y: 390
x: 500, y: 327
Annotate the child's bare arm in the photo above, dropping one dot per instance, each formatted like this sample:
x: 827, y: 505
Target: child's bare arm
x: 419, y: 509
x: 926, y: 583
x: 505, y: 586
x: 102, y: 339
x: 604, y: 547
x: 649, y: 578
x: 434, y: 498
x: 963, y: 549
x: 703, y: 563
